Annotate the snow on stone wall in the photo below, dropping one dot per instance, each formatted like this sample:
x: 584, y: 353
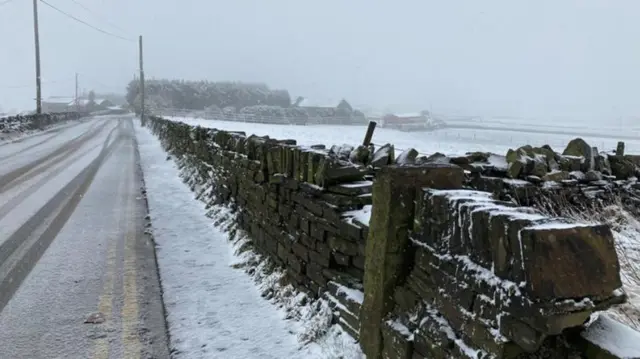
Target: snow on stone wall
x: 300, y: 206
x: 504, y: 278
x: 20, y: 123
x: 415, y: 265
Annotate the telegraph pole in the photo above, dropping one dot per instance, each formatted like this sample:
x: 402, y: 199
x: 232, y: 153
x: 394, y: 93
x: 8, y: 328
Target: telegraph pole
x: 37, y: 44
x: 77, y: 103
x: 142, y: 122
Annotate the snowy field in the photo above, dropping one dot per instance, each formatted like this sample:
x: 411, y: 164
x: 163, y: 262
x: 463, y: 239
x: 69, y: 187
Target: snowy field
x: 447, y: 141
x: 624, y: 127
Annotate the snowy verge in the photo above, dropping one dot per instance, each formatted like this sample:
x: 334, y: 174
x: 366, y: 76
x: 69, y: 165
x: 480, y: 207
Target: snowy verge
x: 213, y: 308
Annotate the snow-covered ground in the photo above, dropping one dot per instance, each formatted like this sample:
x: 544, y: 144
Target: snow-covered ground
x: 623, y: 127
x: 447, y: 141
x: 214, y: 309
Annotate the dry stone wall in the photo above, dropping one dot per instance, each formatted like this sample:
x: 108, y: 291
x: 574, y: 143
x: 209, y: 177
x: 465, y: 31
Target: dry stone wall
x: 34, y: 122
x: 579, y: 175
x: 497, y: 280
x: 447, y: 266
x: 298, y: 205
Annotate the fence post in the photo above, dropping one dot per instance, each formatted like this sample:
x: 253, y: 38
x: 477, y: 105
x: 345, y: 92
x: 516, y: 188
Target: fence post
x: 369, y: 135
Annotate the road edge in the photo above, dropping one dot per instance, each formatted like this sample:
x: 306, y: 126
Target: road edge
x: 155, y: 283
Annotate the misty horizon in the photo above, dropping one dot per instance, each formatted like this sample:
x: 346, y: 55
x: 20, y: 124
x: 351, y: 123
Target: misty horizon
x: 570, y: 60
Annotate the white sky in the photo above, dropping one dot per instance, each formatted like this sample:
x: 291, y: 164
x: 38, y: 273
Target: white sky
x: 575, y: 59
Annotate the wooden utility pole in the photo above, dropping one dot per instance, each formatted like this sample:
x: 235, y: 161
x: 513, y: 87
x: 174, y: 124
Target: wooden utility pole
x: 141, y: 84
x: 77, y: 103
x: 37, y: 44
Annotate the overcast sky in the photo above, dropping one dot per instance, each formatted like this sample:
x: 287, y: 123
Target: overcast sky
x: 559, y: 58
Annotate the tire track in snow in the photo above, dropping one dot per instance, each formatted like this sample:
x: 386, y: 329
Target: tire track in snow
x: 34, y: 168
x: 18, y: 198
x: 56, y: 134
x: 22, y: 250
x: 54, y: 131
x: 63, y: 157
x: 9, y: 246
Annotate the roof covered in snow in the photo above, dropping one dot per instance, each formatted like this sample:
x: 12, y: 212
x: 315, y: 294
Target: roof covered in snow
x: 59, y: 99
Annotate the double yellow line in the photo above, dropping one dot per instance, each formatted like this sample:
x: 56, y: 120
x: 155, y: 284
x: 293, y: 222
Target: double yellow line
x: 126, y: 223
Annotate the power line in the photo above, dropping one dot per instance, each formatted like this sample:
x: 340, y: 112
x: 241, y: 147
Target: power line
x: 86, y: 23
x: 97, y: 16
x: 44, y: 83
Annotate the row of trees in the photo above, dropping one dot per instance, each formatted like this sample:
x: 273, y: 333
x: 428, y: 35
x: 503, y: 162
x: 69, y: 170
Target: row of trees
x: 198, y: 95
x: 235, y: 101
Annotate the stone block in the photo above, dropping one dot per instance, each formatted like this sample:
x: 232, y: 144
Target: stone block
x: 345, y: 203
x: 352, y: 188
x: 324, y: 249
x: 349, y: 230
x: 295, y: 162
x: 405, y: 298
x: 287, y: 160
x: 341, y: 259
x: 348, y: 297
x: 320, y: 259
x: 306, y: 240
x: 313, y: 164
x: 283, y: 251
x: 344, y: 246
x: 383, y: 156
x: 304, y: 225
x: 431, y: 340
x: 295, y: 264
x: 398, y: 343
x: 358, y: 262
x: 303, y: 165
x: 300, y: 251
x: 317, y: 231
x: 331, y: 173
x: 568, y: 260
x: 314, y: 271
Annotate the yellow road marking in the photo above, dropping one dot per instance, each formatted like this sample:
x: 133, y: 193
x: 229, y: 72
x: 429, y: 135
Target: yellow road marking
x: 101, y: 347
x: 130, y: 337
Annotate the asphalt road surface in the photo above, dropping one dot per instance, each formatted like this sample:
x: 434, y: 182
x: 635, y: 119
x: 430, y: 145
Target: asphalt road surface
x: 78, y: 277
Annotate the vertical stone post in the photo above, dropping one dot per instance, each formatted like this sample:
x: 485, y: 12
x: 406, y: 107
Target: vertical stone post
x: 394, y: 192
x: 620, y: 149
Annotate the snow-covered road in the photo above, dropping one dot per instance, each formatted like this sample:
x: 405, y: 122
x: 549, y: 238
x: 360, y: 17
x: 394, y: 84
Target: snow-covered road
x: 72, y: 244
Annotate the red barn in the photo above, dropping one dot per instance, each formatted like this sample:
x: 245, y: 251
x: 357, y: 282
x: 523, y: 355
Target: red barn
x: 418, y: 121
